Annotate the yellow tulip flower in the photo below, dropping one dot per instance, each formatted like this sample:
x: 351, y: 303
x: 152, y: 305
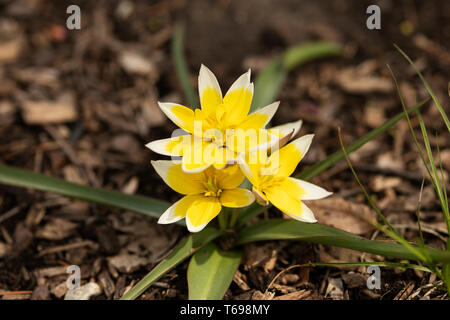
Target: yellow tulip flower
x: 270, y: 177
x: 205, y: 193
x: 212, y: 131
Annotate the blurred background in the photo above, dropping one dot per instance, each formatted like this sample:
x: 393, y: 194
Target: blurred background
x: 81, y: 104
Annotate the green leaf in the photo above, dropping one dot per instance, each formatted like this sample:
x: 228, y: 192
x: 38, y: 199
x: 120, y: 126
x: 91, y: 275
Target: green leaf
x: 28, y: 179
x: 270, y: 80
x: 211, y: 271
x: 282, y: 229
x: 268, y: 83
x: 300, y: 54
x: 186, y: 248
x: 181, y: 67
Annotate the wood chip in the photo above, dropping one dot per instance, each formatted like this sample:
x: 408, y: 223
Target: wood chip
x: 335, y: 289
x: 127, y: 263
x: 56, y: 229
x: 404, y: 294
x: 354, y: 280
x: 46, y: 112
x: 354, y: 81
x: 59, y: 290
x: 4, y: 248
x: 298, y: 295
x: 135, y: 63
x: 238, y: 278
x: 258, y: 295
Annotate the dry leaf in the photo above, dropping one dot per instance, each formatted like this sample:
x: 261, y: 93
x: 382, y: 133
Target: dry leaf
x: 342, y: 214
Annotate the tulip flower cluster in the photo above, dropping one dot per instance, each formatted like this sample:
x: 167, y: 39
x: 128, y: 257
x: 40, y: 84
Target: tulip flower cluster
x: 221, y: 145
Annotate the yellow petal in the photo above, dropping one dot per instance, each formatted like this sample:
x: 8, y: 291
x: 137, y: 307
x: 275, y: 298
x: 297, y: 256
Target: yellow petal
x: 287, y: 128
x: 209, y: 91
x: 236, y: 198
x: 303, y: 190
x: 178, y: 210
x: 290, y: 155
x: 224, y: 157
x: 180, y: 181
x: 201, y: 212
x: 260, y: 118
x: 238, y: 99
x: 260, y: 197
x: 230, y: 177
x: 290, y: 206
x: 198, y: 154
x: 168, y: 147
x: 180, y: 115
x: 250, y: 167
x: 249, y: 140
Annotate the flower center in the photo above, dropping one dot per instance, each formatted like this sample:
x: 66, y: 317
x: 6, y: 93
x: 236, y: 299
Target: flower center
x: 211, y: 188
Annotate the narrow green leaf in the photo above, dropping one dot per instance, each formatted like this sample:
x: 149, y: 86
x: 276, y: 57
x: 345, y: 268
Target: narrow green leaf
x: 271, y: 78
x: 181, y: 67
x: 23, y: 178
x: 282, y: 229
x: 186, y: 248
x: 210, y: 272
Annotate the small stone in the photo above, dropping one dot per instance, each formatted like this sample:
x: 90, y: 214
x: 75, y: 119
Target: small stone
x: 85, y: 292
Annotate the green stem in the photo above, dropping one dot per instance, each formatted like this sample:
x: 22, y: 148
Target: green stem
x: 223, y: 218
x: 234, y: 217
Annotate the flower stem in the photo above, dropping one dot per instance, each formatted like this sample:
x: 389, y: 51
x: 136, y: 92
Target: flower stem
x: 233, y: 218
x: 223, y: 219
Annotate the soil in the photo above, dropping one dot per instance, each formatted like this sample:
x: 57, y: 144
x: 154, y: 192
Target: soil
x: 101, y: 85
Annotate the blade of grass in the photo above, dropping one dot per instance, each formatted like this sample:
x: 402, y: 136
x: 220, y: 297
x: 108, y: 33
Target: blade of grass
x: 419, y: 204
x: 211, y: 271
x: 442, y: 173
x: 390, y: 230
x: 255, y: 209
x: 23, y: 178
x: 438, y: 184
x: 181, y: 67
x: 432, y: 174
x: 283, y: 229
x: 427, y: 86
x: 185, y: 249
